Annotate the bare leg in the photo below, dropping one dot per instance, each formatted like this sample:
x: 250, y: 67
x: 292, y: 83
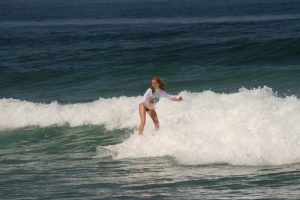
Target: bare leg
x: 154, y: 117
x: 142, y: 112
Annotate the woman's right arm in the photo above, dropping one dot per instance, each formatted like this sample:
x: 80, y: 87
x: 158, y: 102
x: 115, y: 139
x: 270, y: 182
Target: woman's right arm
x: 146, y: 99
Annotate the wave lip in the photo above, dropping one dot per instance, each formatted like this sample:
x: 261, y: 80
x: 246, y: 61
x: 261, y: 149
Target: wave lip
x: 109, y: 112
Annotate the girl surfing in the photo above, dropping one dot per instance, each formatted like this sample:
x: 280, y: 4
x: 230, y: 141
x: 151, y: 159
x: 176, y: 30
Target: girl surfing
x: 149, y: 100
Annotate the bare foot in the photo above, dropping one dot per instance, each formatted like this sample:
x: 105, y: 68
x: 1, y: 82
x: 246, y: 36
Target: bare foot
x: 156, y: 127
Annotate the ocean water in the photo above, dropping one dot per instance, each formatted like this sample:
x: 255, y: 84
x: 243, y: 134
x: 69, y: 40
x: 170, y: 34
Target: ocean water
x: 73, y: 72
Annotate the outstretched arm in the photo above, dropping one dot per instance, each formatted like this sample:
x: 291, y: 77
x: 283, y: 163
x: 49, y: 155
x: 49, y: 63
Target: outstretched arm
x: 176, y: 98
x: 171, y: 97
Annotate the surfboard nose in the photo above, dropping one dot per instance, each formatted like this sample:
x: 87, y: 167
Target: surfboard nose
x: 104, y: 152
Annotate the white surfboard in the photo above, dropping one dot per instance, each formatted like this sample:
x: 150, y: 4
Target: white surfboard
x: 105, y: 152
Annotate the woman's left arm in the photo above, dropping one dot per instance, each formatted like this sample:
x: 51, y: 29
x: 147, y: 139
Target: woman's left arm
x: 172, y: 98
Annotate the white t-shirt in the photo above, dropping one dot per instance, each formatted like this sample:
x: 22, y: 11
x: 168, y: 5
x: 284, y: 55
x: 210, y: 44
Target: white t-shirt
x: 153, y: 98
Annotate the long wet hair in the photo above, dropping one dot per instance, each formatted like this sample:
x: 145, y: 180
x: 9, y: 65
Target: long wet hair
x: 162, y: 84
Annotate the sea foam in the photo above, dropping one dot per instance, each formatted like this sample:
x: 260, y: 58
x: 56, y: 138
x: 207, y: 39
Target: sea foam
x: 250, y: 127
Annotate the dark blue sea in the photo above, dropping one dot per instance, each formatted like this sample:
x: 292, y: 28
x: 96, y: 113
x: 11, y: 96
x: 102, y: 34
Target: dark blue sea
x: 72, y: 73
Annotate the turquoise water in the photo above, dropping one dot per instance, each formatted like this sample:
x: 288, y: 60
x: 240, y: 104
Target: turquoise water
x: 73, y: 73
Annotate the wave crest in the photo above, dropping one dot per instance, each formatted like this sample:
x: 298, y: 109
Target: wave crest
x: 250, y: 127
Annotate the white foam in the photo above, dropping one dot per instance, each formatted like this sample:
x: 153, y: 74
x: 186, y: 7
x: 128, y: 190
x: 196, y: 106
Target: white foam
x: 113, y: 113
x: 250, y: 127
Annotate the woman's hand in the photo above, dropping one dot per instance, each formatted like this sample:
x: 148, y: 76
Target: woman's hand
x: 150, y: 107
x: 176, y: 98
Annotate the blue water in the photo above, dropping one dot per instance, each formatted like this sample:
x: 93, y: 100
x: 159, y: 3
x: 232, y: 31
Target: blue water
x: 67, y: 66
